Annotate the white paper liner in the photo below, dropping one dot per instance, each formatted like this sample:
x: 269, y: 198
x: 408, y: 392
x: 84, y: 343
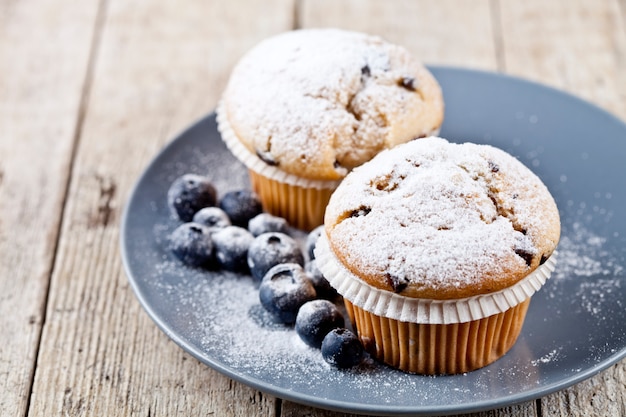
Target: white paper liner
x: 256, y: 164
x: 425, y: 311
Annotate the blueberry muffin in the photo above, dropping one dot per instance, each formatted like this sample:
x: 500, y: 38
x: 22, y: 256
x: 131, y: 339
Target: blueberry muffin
x: 305, y: 107
x: 437, y: 248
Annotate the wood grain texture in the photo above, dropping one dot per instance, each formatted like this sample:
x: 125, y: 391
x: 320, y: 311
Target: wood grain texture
x: 158, y: 67
x: 602, y: 395
x: 578, y: 46
x: 437, y: 31
x: 42, y: 75
x: 290, y: 409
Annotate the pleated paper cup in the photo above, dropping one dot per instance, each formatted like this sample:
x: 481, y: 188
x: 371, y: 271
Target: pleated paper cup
x: 299, y: 200
x: 432, y: 337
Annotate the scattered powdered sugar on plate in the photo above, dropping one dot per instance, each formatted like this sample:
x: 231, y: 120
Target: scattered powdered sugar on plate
x: 583, y: 257
x: 227, y: 317
x: 593, y: 295
x: 548, y: 357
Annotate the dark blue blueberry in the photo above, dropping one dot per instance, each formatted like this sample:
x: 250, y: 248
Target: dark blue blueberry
x: 192, y: 244
x: 212, y: 217
x: 241, y: 206
x: 271, y: 249
x: 315, y: 319
x: 190, y: 193
x: 311, y: 240
x: 321, y: 284
x: 284, y: 289
x: 266, y: 223
x: 342, y: 349
x: 231, y: 247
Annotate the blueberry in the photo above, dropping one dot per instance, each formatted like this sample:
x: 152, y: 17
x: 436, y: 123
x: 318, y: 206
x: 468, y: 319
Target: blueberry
x: 231, y: 247
x: 342, y: 349
x: 315, y: 319
x: 266, y: 223
x: 192, y: 244
x: 190, y: 193
x: 271, y: 249
x: 241, y: 206
x: 311, y: 240
x: 321, y: 284
x: 212, y: 217
x: 284, y: 289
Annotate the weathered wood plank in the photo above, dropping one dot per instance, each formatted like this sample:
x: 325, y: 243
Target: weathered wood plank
x: 578, y: 46
x: 160, y: 65
x: 438, y: 32
x: 44, y: 54
x: 602, y: 395
x: 290, y: 409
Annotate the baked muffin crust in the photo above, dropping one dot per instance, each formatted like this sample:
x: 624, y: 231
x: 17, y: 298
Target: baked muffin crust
x: 316, y: 103
x: 436, y: 220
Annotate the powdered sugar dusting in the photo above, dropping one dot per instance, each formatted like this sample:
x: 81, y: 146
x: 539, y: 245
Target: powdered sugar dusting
x: 585, y: 260
x: 584, y: 255
x: 319, y: 102
x: 548, y: 357
x: 440, y: 217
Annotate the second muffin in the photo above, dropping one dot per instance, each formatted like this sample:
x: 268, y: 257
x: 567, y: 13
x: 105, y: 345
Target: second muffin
x: 303, y: 108
x: 437, y: 248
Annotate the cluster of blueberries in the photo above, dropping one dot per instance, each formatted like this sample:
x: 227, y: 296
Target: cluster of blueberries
x: 235, y: 234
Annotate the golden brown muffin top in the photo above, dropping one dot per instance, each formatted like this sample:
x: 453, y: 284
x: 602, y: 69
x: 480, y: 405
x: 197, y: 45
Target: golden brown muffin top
x: 437, y: 220
x: 318, y: 102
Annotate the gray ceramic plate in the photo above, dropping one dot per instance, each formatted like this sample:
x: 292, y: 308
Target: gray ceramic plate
x: 576, y: 325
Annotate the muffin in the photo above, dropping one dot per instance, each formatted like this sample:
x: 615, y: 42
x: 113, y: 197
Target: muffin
x: 303, y: 108
x: 437, y: 249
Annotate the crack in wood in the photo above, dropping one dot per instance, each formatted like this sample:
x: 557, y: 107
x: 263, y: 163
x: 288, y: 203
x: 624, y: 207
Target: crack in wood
x: 105, y: 211
x: 498, y: 39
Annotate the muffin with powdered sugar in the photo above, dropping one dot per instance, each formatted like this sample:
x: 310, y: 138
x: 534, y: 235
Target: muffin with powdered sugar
x: 303, y: 108
x: 437, y: 248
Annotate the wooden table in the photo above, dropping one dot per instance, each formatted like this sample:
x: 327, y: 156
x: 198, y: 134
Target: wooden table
x: 91, y: 90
